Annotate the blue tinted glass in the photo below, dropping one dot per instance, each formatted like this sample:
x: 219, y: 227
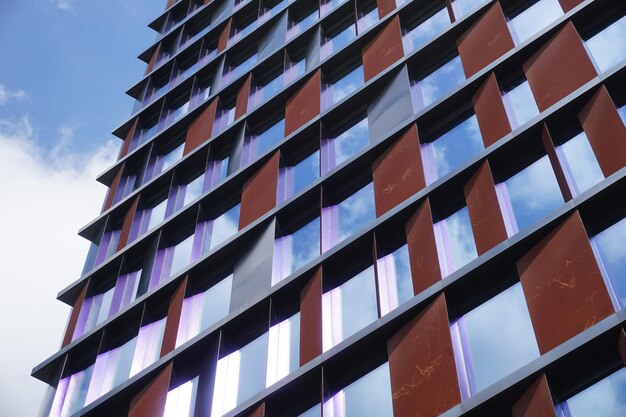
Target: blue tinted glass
x: 367, y: 19
x: 622, y: 113
x: 252, y: 368
x: 193, y: 190
x: 349, y: 143
x: 172, y: 157
x: 346, y: 85
x: 356, y: 212
x: 581, y: 166
x: 535, y: 18
x: 315, y: 411
x: 611, y: 245
x: 461, y: 238
x: 456, y: 146
x: 271, y: 136
x: 404, y: 281
x: 182, y: 255
x: 306, y: 171
x: 534, y: 192
x: 608, y: 47
x: 427, y: 30
x: 225, y: 226
x: 216, y: 303
x: 440, y: 82
x: 305, y: 244
x: 603, y: 399
x: 500, y: 337
x: 157, y: 214
x: 358, y: 302
x: 520, y: 104
x: 338, y: 41
x: 370, y: 396
x: 463, y: 7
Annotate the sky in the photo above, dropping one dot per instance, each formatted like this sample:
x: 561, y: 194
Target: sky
x: 65, y: 67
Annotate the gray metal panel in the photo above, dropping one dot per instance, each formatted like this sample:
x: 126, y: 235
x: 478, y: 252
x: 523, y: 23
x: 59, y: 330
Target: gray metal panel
x: 392, y: 107
x: 274, y: 38
x: 235, y: 154
x: 313, y: 50
x: 253, y: 271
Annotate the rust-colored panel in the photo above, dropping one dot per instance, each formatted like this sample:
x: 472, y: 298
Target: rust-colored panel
x: 484, y: 210
x: 128, y: 139
x: 385, y: 7
x: 450, y: 11
x: 606, y: 131
x: 173, y: 318
x: 558, y: 68
x: 259, y: 411
x: 536, y: 401
x: 382, y: 51
x: 71, y: 323
x: 398, y: 173
x: 490, y: 112
x: 311, y: 319
x: 420, y: 238
x: 243, y: 94
x: 259, y: 192
x: 222, y: 42
x: 563, y: 285
x: 201, y: 128
x: 621, y: 345
x: 548, y: 144
x: 113, y: 188
x: 153, y: 59
x: 421, y: 364
x: 150, y: 401
x: 485, y: 41
x: 304, y: 105
x: 169, y: 4
x: 568, y: 5
x: 128, y: 223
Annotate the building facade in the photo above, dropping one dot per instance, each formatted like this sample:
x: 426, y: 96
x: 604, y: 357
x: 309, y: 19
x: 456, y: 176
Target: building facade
x: 361, y: 208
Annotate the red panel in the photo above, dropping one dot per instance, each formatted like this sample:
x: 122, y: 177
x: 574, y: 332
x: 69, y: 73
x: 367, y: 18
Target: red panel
x: 450, y: 11
x: 259, y: 411
x: 606, y: 131
x: 382, y: 51
x: 201, y: 128
x: 150, y: 401
x: 621, y: 345
x: 490, y: 112
x: 562, y: 284
x: 71, y: 324
x: 311, y: 319
x: 128, y: 223
x: 385, y: 7
x: 536, y: 401
x: 484, y: 210
x: 153, y: 59
x: 421, y: 364
x: 222, y: 42
x: 113, y: 188
x: 420, y: 237
x: 558, y: 68
x: 548, y: 144
x: 173, y: 318
x: 568, y: 5
x: 485, y: 41
x: 398, y: 173
x: 259, y: 192
x: 242, y: 98
x: 304, y: 105
x: 128, y: 139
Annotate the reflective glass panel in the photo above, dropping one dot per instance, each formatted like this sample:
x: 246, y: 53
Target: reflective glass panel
x: 395, y: 284
x: 603, y: 399
x: 437, y: 84
x: 608, y: 47
x: 610, y: 248
x: 427, y: 30
x: 534, y: 19
x: 579, y: 163
x: 520, y: 105
x: 455, y: 242
x: 339, y: 149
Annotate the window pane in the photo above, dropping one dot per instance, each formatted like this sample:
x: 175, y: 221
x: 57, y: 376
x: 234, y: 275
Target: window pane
x: 284, y: 349
x: 395, y: 284
x: 305, y: 172
x: 148, y: 347
x: 493, y: 340
x: 225, y: 226
x: 180, y: 402
x: 336, y: 41
x: 463, y: 7
x: 258, y: 143
x: 253, y: 368
x: 157, y: 214
x: 315, y: 411
x: 535, y: 18
x: 339, y: 149
x: 182, y: 255
x: 455, y: 242
x: 580, y: 164
x: 608, y: 47
x: 622, y: 113
x: 438, y: 83
x: 452, y: 149
x: 603, y: 399
x: 337, y: 90
x: 520, y: 105
x: 295, y: 250
x: 427, y: 30
x: 610, y: 246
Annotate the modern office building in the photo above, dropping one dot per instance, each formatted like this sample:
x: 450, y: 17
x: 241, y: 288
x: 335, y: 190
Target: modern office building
x: 361, y: 208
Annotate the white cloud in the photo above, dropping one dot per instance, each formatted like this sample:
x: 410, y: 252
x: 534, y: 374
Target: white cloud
x: 64, y: 5
x: 46, y: 198
x: 6, y: 95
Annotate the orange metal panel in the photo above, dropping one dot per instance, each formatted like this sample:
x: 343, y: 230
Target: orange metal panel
x: 304, y: 105
x: 128, y: 223
x: 222, y: 42
x: 113, y: 188
x: 241, y: 107
x: 383, y: 50
x: 420, y: 237
x: 153, y: 59
x: 201, y: 128
x: 129, y: 138
x: 174, y: 312
x: 568, y: 5
x: 536, y: 401
x: 150, y: 401
x: 385, y: 7
x: 490, y: 112
x: 311, y: 319
x: 548, y: 144
x: 71, y: 324
x: 259, y: 192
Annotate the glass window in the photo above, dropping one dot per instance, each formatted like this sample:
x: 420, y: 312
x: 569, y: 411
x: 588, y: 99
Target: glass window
x: 534, y: 18
x: 149, y: 343
x: 610, y: 249
x: 605, y: 398
x: 335, y: 90
x: 493, y: 340
x: 147, y: 219
x: 529, y: 195
x: 283, y: 349
x: 214, y: 231
x: 225, y: 116
x: 264, y: 89
x: 217, y: 171
x: 338, y: 149
x: 111, y: 369
x: 239, y: 376
x: 342, y: 220
x: 180, y: 401
x: 395, y: 284
x: 452, y: 149
x: 293, y: 251
x: 367, y: 14
x: 94, y: 310
x: 423, y: 30
x: 335, y: 39
x: 256, y: 144
x: 269, y: 8
x: 301, y: 18
x: 294, y: 178
x: 455, y: 242
x: 520, y: 104
x: 328, y: 5
x: 170, y: 260
x: 622, y: 113
x: 238, y: 66
x: 608, y: 48
x: 579, y: 163
x: 315, y: 411
x: 203, y: 309
x: 108, y: 245
x: 242, y: 26
x: 125, y: 292
x: 368, y: 396
x: 465, y: 7
x: 348, y: 308
x: 71, y: 393
x: 437, y: 84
